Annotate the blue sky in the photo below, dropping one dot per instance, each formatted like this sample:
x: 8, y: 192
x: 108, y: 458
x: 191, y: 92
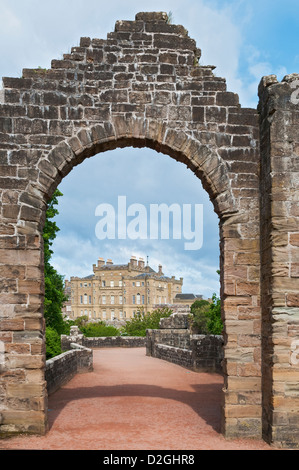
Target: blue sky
x: 243, y: 39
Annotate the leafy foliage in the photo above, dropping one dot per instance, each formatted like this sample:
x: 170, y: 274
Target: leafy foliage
x: 50, y: 227
x: 54, y: 285
x: 80, y: 321
x: 206, y: 316
x: 138, y: 325
x: 199, y: 311
x: 215, y: 325
x: 99, y: 329
x: 53, y: 344
x: 170, y: 18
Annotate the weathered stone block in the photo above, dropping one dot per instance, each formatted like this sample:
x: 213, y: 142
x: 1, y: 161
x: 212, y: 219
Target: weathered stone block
x: 144, y: 86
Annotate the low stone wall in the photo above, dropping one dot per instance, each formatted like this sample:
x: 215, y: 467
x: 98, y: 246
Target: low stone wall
x: 207, y: 352
x: 115, y: 341
x: 196, y: 352
x: 180, y: 356
x: 62, y: 368
x: 101, y: 342
x: 177, y: 338
x: 173, y: 342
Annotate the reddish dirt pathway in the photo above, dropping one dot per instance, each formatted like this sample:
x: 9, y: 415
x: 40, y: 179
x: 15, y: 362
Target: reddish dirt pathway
x: 134, y: 402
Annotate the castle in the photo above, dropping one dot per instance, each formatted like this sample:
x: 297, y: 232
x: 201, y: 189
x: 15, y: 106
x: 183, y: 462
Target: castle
x: 119, y: 291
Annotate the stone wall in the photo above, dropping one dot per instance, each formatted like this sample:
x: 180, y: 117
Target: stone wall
x: 279, y: 122
x: 115, y: 341
x: 62, y: 368
x: 143, y: 86
x: 180, y: 356
x: 100, y: 342
x: 207, y: 352
x: 173, y: 342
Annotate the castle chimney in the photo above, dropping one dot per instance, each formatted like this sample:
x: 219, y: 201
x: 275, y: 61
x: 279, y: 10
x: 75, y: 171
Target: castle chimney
x: 141, y: 263
x: 133, y: 261
x: 160, y: 270
x: 109, y: 261
x: 101, y: 262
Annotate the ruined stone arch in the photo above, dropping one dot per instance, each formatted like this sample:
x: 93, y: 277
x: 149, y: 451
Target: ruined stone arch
x: 205, y: 163
x: 143, y: 87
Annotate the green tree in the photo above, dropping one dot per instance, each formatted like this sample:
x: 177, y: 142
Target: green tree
x: 206, y: 316
x: 99, y: 329
x: 81, y: 321
x: 142, y: 321
x: 214, y: 324
x: 199, y: 316
x: 54, y: 282
x: 53, y: 344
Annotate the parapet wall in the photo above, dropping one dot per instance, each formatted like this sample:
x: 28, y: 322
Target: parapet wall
x: 62, y: 368
x: 115, y: 341
x: 197, y: 352
x: 100, y: 342
x: 173, y: 342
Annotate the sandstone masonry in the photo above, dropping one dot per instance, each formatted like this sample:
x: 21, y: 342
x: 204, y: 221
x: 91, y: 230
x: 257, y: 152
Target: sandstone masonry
x: 143, y: 86
x: 118, y: 291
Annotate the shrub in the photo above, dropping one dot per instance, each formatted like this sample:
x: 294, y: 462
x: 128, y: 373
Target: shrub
x: 138, y: 325
x: 199, y: 316
x: 215, y: 325
x: 93, y: 330
x: 81, y: 321
x: 206, y: 317
x: 53, y: 344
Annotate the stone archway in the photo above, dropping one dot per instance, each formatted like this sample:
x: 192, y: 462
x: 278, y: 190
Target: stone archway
x: 141, y: 87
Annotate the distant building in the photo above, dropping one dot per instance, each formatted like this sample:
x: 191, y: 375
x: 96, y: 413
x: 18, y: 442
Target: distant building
x: 118, y: 291
x: 187, y: 299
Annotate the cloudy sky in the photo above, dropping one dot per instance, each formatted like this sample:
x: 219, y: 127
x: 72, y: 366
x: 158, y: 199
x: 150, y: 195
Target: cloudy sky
x: 245, y: 39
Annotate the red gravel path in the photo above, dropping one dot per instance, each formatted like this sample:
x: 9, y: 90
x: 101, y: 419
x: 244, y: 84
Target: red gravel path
x: 134, y: 402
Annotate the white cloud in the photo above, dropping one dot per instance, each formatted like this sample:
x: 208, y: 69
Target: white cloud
x: 33, y: 33
x: 10, y: 23
x: 145, y: 177
x: 75, y: 256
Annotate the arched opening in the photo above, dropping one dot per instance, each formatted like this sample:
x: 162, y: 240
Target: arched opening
x: 180, y: 186
x: 206, y: 165
x: 144, y: 87
x: 144, y: 177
